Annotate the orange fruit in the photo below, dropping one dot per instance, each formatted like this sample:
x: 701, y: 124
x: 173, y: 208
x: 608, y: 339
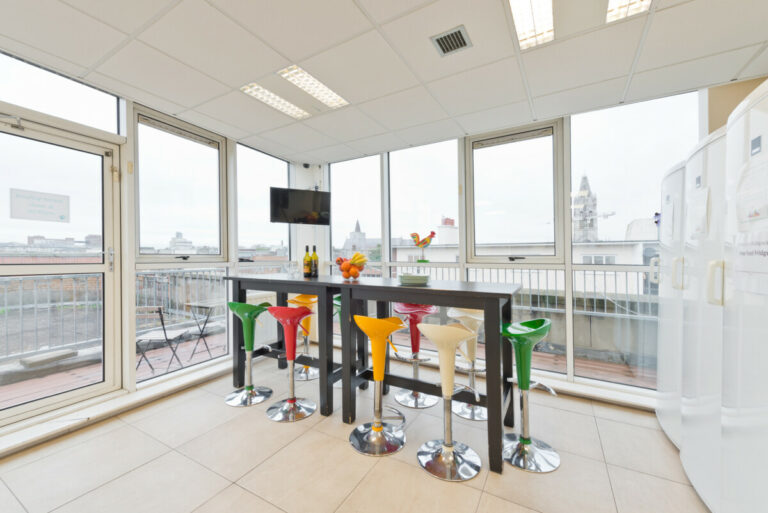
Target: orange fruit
x: 345, y: 266
x: 345, y: 274
x: 354, y: 272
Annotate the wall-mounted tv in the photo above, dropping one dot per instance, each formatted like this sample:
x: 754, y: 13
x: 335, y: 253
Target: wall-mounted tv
x: 299, y: 206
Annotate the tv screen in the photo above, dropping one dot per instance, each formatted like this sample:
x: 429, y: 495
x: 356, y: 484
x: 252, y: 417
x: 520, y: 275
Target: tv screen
x: 299, y: 206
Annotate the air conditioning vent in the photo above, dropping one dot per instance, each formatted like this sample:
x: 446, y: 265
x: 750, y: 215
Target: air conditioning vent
x: 452, y: 41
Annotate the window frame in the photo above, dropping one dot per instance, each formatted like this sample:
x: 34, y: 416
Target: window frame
x: 182, y: 129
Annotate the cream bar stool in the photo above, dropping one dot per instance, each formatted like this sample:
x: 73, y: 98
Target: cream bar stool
x: 473, y: 321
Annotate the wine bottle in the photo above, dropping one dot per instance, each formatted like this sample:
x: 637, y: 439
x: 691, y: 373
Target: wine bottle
x: 315, y: 262
x: 307, y: 263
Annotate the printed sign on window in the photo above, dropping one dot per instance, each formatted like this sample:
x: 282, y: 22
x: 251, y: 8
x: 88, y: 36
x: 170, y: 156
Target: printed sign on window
x: 39, y: 206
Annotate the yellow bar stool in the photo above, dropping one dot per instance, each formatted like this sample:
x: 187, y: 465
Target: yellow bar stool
x: 305, y: 372
x: 379, y: 438
x: 448, y: 459
x: 473, y: 321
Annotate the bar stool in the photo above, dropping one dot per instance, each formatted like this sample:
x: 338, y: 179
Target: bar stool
x: 415, y: 314
x: 379, y: 438
x: 523, y: 451
x: 448, y: 459
x: 473, y: 321
x: 305, y: 372
x: 249, y: 395
x: 293, y: 408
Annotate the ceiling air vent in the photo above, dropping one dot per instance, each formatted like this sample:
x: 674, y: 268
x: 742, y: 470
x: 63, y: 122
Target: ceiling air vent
x: 452, y: 41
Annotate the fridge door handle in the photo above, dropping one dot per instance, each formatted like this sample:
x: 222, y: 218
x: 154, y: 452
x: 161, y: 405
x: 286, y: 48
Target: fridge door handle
x: 715, y: 285
x: 678, y: 263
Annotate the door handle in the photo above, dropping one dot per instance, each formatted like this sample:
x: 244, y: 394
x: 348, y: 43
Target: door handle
x: 712, y: 268
x: 678, y: 262
x: 654, y: 274
x: 111, y: 259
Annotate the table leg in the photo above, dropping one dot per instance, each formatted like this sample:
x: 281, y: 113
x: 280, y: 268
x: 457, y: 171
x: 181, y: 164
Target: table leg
x: 494, y: 393
x: 238, y: 344
x: 506, y: 368
x: 282, y: 300
x: 348, y: 359
x: 362, y: 341
x: 382, y: 312
x: 325, y: 350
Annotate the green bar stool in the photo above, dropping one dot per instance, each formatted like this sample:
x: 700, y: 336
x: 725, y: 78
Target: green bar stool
x: 523, y: 451
x: 249, y: 395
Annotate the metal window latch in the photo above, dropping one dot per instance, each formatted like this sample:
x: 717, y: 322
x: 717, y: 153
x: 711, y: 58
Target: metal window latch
x: 183, y: 257
x: 13, y: 121
x: 111, y: 259
x: 513, y: 258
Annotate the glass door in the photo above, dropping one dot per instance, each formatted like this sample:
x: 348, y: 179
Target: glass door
x: 58, y: 261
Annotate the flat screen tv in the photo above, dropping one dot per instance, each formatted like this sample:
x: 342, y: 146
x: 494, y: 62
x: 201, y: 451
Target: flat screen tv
x: 299, y: 206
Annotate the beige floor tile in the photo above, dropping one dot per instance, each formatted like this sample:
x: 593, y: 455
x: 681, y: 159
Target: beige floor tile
x: 161, y: 405
x: 240, y: 444
x: 395, y: 486
x: 640, y: 493
x: 8, y: 501
x: 561, y: 401
x: 313, y: 473
x: 642, y: 449
x: 492, y: 504
x: 169, y: 484
x: 74, y: 471
x: 623, y: 414
x: 565, y: 430
x: 579, y: 485
x: 236, y: 500
x: 185, y: 420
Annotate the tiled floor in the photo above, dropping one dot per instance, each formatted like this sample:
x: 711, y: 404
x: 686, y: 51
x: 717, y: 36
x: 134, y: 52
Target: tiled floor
x: 191, y: 452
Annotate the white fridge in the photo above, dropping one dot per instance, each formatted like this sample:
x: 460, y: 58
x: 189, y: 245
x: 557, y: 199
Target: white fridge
x: 670, y: 278
x: 744, y: 470
x: 702, y: 346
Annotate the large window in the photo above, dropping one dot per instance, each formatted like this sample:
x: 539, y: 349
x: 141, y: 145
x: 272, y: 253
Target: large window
x: 424, y: 199
x: 179, y: 191
x: 356, y: 208
x: 259, y: 240
x: 34, y: 88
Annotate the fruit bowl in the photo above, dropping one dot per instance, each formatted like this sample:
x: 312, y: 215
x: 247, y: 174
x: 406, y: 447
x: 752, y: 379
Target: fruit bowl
x: 352, y: 268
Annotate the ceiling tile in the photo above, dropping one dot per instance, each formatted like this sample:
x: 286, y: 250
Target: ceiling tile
x: 361, y: 69
x: 335, y: 153
x: 430, y: 132
x: 664, y: 4
x: 246, y: 113
x: 704, y: 27
x: 758, y: 67
x: 486, y: 25
x: 214, y: 125
x: 691, y: 75
x: 133, y: 93
x: 199, y: 35
x: 299, y: 137
x: 599, y: 55
x: 505, y: 116
x: 267, y: 146
x: 382, y: 12
x: 345, y: 123
x: 58, y: 29
x: 299, y: 29
x: 148, y: 69
x: 125, y: 16
x: 580, y: 99
x: 498, y: 83
x: 378, y: 144
x: 406, y: 108
x: 573, y: 17
x: 31, y: 54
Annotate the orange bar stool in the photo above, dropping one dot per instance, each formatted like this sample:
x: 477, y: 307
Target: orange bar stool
x: 249, y: 395
x: 448, y: 459
x: 473, y: 321
x: 379, y: 438
x: 305, y: 372
x: 293, y: 408
x: 415, y: 314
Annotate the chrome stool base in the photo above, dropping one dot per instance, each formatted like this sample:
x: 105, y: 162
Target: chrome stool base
x: 457, y: 463
x: 415, y: 399
x: 534, y: 457
x: 242, y: 397
x: 382, y: 443
x: 470, y: 411
x: 306, y: 373
x: 283, y: 411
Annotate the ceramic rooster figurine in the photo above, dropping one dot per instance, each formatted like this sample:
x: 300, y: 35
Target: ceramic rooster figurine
x: 422, y: 243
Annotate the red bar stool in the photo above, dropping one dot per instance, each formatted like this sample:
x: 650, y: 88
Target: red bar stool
x: 415, y: 314
x: 293, y: 408
x: 305, y: 372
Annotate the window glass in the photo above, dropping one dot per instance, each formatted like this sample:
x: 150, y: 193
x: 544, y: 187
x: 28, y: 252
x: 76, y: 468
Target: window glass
x: 259, y: 240
x: 34, y: 88
x: 356, y: 208
x: 179, y: 210
x: 424, y: 202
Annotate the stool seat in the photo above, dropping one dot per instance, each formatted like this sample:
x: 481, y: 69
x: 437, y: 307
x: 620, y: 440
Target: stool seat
x: 248, y: 395
x: 415, y: 314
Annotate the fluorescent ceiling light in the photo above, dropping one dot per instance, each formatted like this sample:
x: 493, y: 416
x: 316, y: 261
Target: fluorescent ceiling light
x: 312, y: 86
x: 618, y: 9
x: 533, y: 21
x: 274, y: 101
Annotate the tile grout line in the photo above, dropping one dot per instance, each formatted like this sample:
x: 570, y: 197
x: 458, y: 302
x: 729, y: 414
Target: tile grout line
x: 257, y: 495
x: 14, y: 495
x: 605, y: 463
x: 346, y: 498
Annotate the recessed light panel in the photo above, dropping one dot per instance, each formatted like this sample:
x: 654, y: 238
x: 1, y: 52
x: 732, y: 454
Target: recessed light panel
x: 274, y: 101
x: 533, y: 21
x: 312, y: 86
x: 618, y: 9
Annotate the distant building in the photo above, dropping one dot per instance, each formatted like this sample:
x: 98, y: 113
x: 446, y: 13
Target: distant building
x: 584, y: 213
x: 180, y: 245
